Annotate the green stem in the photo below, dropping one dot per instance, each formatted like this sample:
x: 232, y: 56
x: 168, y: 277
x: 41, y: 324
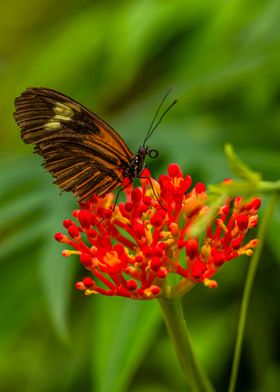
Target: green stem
x: 246, y: 188
x: 269, y: 186
x: 177, y: 329
x: 247, y: 292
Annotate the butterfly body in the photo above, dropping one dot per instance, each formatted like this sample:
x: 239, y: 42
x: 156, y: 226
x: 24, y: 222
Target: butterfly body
x: 136, y: 164
x: 83, y: 153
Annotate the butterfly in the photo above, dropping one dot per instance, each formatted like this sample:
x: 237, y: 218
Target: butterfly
x: 84, y: 154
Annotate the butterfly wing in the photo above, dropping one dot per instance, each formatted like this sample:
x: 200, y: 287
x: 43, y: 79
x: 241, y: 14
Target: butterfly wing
x: 84, y: 154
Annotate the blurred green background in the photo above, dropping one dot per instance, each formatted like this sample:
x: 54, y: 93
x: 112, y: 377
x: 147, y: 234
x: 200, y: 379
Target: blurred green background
x: 119, y: 58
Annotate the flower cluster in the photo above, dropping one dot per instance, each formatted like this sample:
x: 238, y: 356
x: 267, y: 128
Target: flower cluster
x: 145, y: 247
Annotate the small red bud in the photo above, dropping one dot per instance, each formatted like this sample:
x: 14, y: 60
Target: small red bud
x: 86, y: 260
x: 60, y: 237
x: 73, y: 231
x: 88, y: 282
x: 224, y: 210
x: 156, y: 220
x: 80, y: 286
x: 67, y: 223
x: 136, y: 195
x: 147, y: 252
x: 128, y: 206
x: 198, y: 268
x: 138, y: 229
x: 253, y: 204
x: 91, y: 233
x: 219, y: 259
x: 192, y: 248
x: 200, y: 188
x: 119, y: 249
x: 131, y: 285
x: 156, y: 263
x: 162, y: 273
x: 155, y: 290
x: 85, y: 219
x: 147, y: 200
x: 236, y: 243
x: 242, y: 221
x: 107, y: 213
x: 174, y: 170
x: 146, y: 172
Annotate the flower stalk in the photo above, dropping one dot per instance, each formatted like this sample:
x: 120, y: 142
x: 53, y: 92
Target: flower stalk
x: 177, y: 328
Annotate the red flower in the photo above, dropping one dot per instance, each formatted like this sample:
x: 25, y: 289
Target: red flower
x: 132, y: 249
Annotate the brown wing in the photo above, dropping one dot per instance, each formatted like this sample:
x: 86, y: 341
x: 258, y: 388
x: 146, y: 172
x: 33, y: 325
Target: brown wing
x: 82, y: 152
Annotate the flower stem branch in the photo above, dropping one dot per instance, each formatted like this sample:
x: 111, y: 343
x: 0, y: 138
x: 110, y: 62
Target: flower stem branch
x: 247, y: 291
x: 269, y: 187
x: 248, y: 188
x: 177, y: 329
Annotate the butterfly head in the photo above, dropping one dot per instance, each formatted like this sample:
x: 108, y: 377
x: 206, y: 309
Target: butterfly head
x: 144, y: 150
x: 137, y: 162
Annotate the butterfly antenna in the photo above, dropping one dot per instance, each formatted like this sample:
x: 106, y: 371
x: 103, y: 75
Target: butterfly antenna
x: 151, y: 127
x: 149, y: 134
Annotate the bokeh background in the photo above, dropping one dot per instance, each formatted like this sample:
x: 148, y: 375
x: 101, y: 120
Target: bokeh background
x: 119, y: 58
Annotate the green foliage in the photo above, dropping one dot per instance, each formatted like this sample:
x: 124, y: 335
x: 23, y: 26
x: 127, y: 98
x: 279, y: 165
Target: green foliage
x: 119, y: 58
x: 239, y: 168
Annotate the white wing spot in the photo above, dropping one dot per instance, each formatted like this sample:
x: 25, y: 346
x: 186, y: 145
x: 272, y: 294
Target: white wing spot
x: 61, y: 108
x: 52, y: 125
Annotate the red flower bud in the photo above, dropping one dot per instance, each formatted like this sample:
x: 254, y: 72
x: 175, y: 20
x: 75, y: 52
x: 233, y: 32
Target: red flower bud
x: 192, y: 248
x: 174, y: 170
x: 155, y: 290
x: 128, y: 206
x: 131, y: 285
x: 138, y: 229
x: 157, y: 219
x: 88, y: 282
x: 198, y: 268
x: 136, y: 195
x: 147, y: 252
x: 162, y: 273
x: 219, y: 259
x: 107, y: 213
x: 67, y: 223
x: 253, y: 204
x: 86, y: 260
x: 92, y: 234
x: 200, y: 188
x: 236, y: 243
x: 155, y: 264
x: 60, y: 237
x: 85, y: 219
x: 73, y: 231
x: 119, y: 249
x: 242, y: 221
x: 147, y: 200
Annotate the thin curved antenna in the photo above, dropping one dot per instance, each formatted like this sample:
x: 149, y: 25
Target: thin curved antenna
x: 151, y: 131
x: 151, y: 127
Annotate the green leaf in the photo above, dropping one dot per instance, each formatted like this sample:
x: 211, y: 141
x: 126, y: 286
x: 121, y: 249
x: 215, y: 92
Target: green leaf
x: 16, y: 172
x: 239, y: 167
x: 21, y: 206
x: 20, y: 297
x: 22, y: 238
x: 122, y: 332
x: 57, y: 272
